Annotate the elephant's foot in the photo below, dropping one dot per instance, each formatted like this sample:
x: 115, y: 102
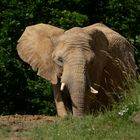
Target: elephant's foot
x: 61, y: 111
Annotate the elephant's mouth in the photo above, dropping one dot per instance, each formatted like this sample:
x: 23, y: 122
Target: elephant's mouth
x: 92, y: 90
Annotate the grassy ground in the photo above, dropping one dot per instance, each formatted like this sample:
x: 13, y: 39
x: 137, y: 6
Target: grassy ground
x: 122, y: 123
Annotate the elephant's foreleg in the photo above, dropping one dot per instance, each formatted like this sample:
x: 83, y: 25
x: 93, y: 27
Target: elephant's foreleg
x: 61, y: 110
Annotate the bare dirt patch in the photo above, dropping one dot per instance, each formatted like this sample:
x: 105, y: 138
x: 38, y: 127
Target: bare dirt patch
x: 15, y: 124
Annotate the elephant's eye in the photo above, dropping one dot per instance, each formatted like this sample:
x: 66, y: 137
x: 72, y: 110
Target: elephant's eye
x: 59, y: 61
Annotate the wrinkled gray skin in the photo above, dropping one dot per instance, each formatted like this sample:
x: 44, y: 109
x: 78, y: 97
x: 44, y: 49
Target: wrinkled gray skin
x: 94, y: 64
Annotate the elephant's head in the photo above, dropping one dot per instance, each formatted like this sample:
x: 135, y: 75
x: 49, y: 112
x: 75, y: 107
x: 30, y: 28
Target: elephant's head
x: 58, y: 54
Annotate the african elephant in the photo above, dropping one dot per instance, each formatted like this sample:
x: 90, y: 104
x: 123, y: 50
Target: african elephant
x: 84, y: 65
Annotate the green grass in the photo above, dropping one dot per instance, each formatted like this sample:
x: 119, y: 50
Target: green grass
x: 117, y: 124
x: 88, y: 128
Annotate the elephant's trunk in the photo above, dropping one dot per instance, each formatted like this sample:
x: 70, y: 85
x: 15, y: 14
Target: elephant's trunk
x: 76, y: 83
x: 75, y: 78
x: 77, y: 92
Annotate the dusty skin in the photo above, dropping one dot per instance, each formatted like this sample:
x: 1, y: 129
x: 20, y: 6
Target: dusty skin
x: 15, y: 124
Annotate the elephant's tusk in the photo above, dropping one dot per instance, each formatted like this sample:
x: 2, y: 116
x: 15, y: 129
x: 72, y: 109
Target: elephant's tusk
x: 93, y: 90
x: 62, y: 86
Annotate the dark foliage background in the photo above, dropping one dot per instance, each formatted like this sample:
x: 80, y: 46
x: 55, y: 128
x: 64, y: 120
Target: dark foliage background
x: 21, y: 91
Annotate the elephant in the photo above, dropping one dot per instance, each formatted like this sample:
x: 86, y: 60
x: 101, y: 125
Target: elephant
x: 89, y: 67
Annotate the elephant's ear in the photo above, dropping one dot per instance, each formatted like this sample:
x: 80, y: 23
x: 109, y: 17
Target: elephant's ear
x: 35, y: 47
x: 99, y: 39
